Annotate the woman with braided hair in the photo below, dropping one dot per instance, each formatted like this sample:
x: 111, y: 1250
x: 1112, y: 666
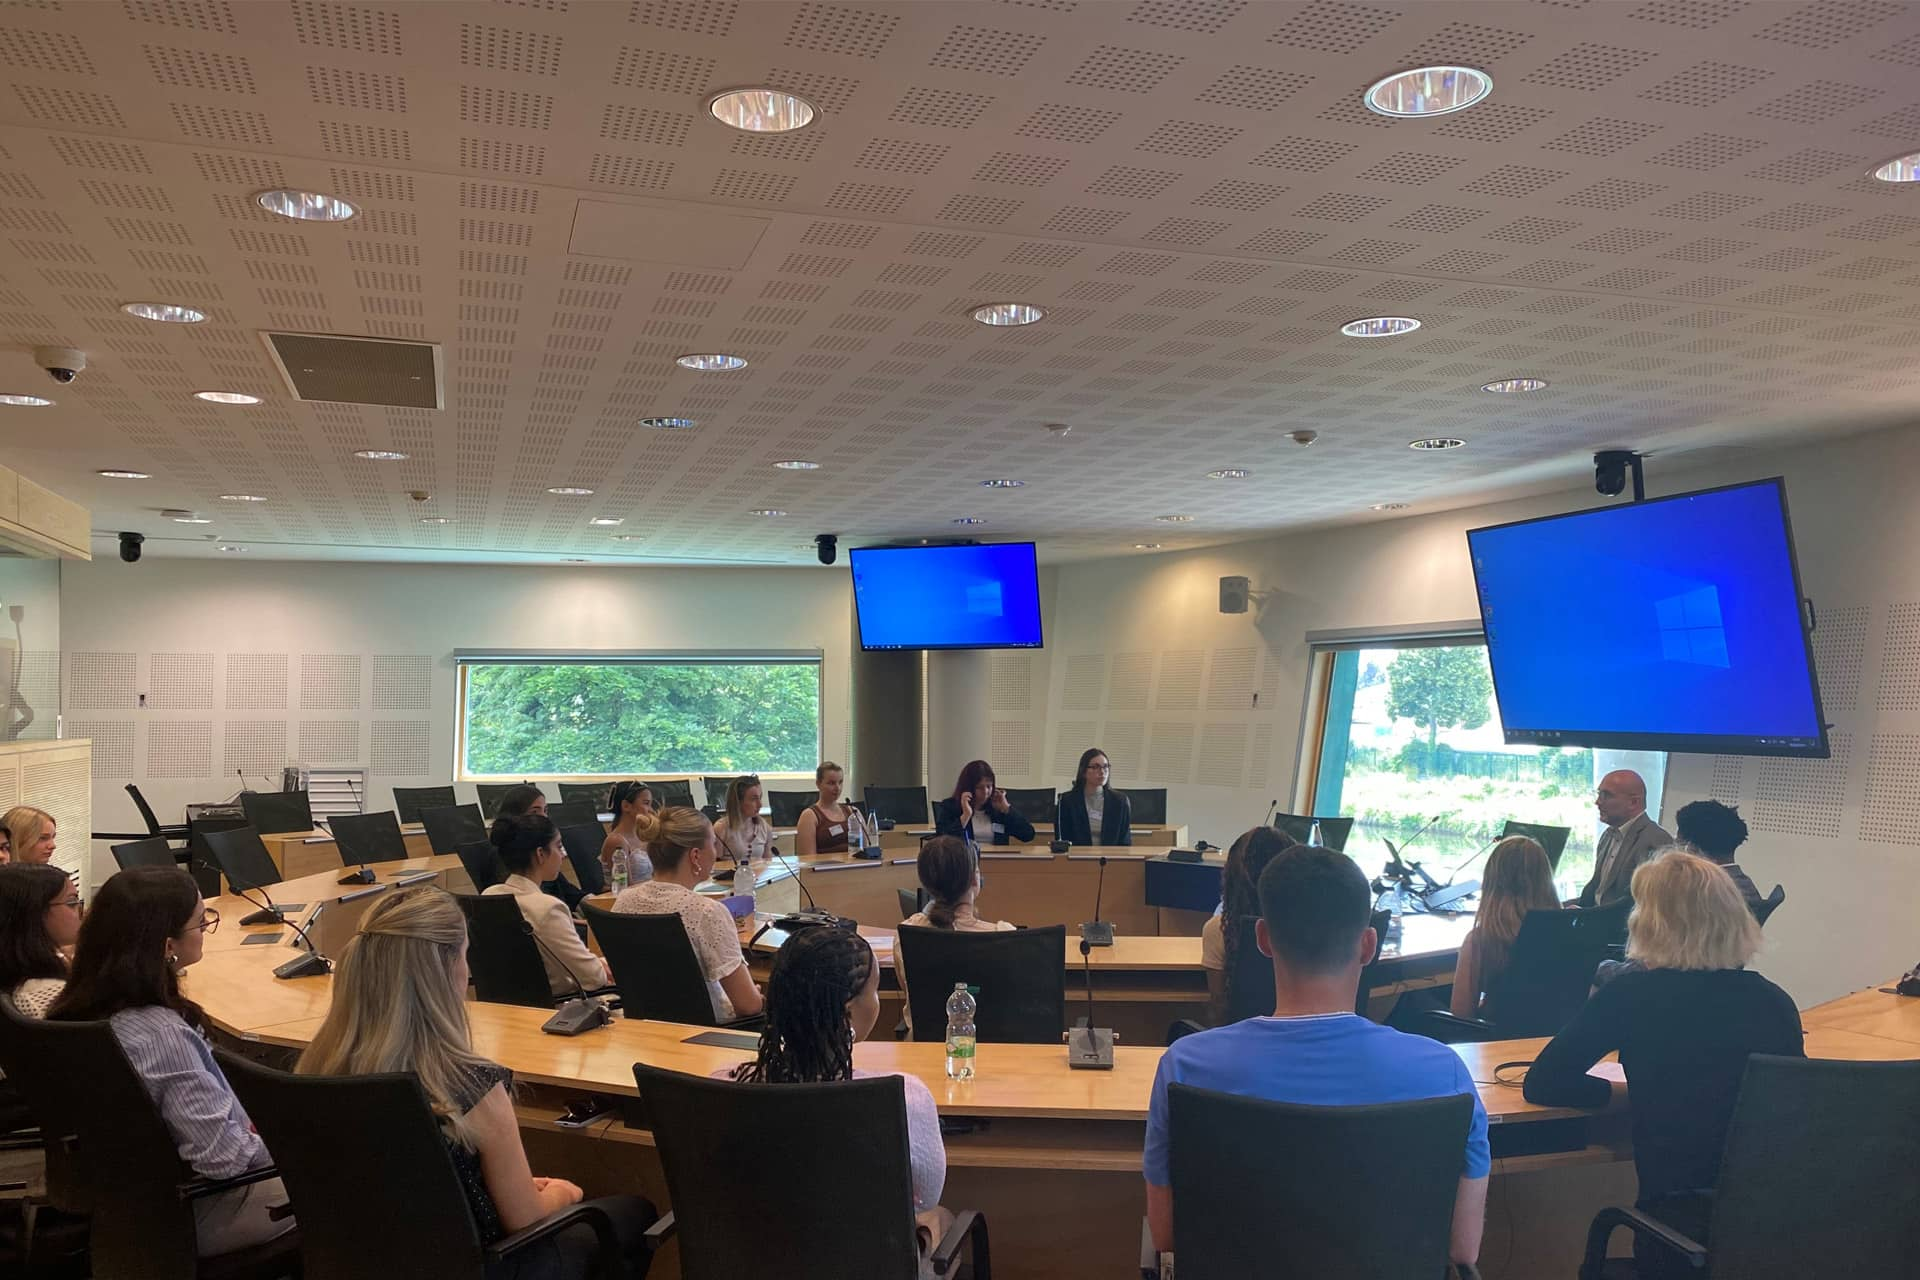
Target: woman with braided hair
x: 822, y: 998
x: 1239, y: 899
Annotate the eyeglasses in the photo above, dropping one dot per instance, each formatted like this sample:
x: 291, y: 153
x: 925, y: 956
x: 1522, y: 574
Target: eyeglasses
x: 73, y: 902
x: 1102, y: 767
x: 209, y: 921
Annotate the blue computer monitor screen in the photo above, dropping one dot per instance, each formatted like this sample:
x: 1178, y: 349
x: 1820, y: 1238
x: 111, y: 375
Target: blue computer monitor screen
x: 959, y: 597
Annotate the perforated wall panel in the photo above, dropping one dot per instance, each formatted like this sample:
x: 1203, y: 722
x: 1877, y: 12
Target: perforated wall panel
x: 1839, y: 649
x: 1125, y: 742
x: 180, y: 682
x: 1803, y: 797
x: 330, y: 681
x: 1900, y: 659
x: 1179, y: 680
x: 1223, y: 756
x: 1260, y: 756
x: 1230, y: 681
x: 1170, y: 753
x: 1085, y: 674
x: 100, y: 681
x: 180, y: 749
x: 256, y: 748
x: 112, y: 746
x: 402, y: 749
x: 330, y: 742
x: 1074, y: 736
x: 1130, y: 682
x: 256, y: 682
x: 1012, y: 749
x: 1728, y: 774
x: 402, y: 682
x: 64, y: 788
x: 1010, y: 682
x: 1890, y: 812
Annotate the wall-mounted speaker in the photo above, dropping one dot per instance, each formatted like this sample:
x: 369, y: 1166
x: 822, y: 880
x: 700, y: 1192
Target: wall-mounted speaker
x: 1233, y: 595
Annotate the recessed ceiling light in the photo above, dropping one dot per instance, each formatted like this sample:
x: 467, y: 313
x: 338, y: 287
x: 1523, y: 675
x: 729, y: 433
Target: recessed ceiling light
x: 668, y: 424
x: 1174, y: 519
x: 608, y: 522
x: 1900, y: 169
x: 761, y: 110
x: 226, y: 397
x: 968, y: 520
x: 578, y: 560
x: 1389, y: 506
x: 1229, y: 473
x: 1146, y: 546
x: 633, y: 537
x: 24, y: 401
x: 712, y: 362
x: 118, y: 474
x: 436, y: 519
x: 1379, y: 327
x: 381, y: 455
x: 241, y: 497
x: 797, y: 464
x: 188, y: 517
x: 306, y: 206
x: 164, y: 312
x: 570, y: 491
x: 1003, y: 484
x: 228, y: 546
x: 766, y: 511
x: 1436, y: 442
x: 1513, y: 386
x: 1428, y: 91
x: 1001, y: 314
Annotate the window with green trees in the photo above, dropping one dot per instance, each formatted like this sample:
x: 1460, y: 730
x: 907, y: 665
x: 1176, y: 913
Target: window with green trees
x: 527, y: 717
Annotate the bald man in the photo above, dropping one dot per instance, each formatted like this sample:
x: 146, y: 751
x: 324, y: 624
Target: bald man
x: 1630, y: 838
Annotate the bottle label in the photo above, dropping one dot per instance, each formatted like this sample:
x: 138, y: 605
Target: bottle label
x: 960, y: 1047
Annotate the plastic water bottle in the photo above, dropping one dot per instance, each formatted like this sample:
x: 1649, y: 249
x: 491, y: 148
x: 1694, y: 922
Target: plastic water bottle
x: 618, y: 877
x: 856, y: 832
x: 1313, y: 836
x: 960, y: 1041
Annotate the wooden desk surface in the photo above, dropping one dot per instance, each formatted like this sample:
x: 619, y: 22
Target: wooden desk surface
x: 1872, y: 1012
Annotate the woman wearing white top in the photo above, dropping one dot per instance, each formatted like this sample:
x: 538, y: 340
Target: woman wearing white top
x: 681, y: 844
x: 530, y: 848
x: 952, y: 880
x: 744, y: 834
x: 630, y: 801
x: 823, y: 826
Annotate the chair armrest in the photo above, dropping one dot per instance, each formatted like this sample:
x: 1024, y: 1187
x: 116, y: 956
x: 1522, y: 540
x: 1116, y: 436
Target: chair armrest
x: 1183, y: 1027
x: 662, y: 1230
x: 1641, y: 1224
x: 969, y: 1228
x: 752, y: 1022
x: 1463, y: 1271
x: 201, y: 1188
x: 1446, y: 1027
x: 586, y: 1211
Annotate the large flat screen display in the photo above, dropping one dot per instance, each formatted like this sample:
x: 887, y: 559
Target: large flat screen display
x: 1669, y: 625
x: 963, y: 597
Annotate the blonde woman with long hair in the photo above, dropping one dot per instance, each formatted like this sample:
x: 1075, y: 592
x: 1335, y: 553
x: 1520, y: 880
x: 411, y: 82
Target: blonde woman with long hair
x: 1519, y: 879
x: 399, y: 1004
x: 1684, y: 1022
x: 31, y: 833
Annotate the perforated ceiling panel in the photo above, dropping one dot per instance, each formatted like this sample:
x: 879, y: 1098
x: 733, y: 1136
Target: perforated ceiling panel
x: 1662, y: 210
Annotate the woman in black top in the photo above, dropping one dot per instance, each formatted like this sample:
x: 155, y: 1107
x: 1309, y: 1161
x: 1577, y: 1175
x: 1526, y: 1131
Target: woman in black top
x: 1091, y: 812
x: 1684, y: 1023
x: 979, y: 810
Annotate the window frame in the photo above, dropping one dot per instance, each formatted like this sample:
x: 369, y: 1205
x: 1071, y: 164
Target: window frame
x: 464, y: 660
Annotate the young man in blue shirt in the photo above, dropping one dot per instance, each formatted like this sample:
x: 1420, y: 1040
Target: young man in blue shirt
x: 1314, y: 910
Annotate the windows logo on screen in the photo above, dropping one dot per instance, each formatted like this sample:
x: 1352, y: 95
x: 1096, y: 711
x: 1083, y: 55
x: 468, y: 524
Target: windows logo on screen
x: 1691, y: 629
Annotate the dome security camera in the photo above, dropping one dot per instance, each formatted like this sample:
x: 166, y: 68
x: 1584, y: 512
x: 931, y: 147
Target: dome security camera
x: 63, y: 364
x: 827, y: 547
x: 1303, y: 438
x: 130, y: 546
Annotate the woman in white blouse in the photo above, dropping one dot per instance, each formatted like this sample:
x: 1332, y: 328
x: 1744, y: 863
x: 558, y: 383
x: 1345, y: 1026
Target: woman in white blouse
x: 741, y: 831
x: 681, y: 844
x: 530, y: 849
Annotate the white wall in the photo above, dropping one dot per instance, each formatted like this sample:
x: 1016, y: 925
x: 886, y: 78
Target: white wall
x: 1146, y: 666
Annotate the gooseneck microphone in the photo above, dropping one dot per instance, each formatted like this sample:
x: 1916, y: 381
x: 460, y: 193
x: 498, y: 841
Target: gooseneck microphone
x: 1090, y: 1048
x: 1097, y: 932
x: 578, y: 1012
x: 365, y: 874
x: 1271, y: 810
x: 310, y: 964
x: 268, y: 914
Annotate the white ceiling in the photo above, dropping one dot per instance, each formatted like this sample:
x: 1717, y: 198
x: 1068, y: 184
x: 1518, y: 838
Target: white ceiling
x: 1663, y: 209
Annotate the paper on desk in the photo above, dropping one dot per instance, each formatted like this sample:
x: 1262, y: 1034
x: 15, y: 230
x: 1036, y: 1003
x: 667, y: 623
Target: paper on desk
x: 1609, y: 1071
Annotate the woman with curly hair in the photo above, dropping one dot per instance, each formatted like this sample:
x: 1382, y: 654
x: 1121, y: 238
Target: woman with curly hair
x: 1239, y: 899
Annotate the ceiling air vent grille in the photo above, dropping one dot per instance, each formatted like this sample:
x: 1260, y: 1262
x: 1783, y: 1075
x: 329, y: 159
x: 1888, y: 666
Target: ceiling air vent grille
x: 325, y: 366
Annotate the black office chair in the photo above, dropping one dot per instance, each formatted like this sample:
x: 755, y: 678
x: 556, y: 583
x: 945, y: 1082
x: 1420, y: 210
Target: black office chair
x: 716, y: 789
x: 1250, y: 992
x: 128, y: 1169
x: 1021, y: 980
x: 1039, y: 805
x: 274, y: 813
x: 575, y: 813
x: 655, y: 970
x: 482, y: 863
x: 670, y: 792
x: 583, y: 843
x: 154, y: 851
x: 490, y: 795
x: 826, y: 1210
x: 502, y: 956
x: 1552, y: 840
x: 154, y: 828
x: 242, y: 858
x: 596, y: 794
x: 1817, y: 1179
x: 1548, y: 976
x: 1149, y: 805
x: 1333, y: 831
x: 200, y: 860
x: 406, y: 1206
x: 911, y: 901
x: 1380, y: 921
x: 368, y: 837
x: 453, y: 825
x: 1770, y: 903
x: 787, y: 806
x: 904, y: 806
x: 34, y: 1101
x: 1289, y: 1192
x: 410, y: 802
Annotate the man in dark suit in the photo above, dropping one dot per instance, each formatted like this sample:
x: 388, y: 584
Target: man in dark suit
x: 1630, y: 839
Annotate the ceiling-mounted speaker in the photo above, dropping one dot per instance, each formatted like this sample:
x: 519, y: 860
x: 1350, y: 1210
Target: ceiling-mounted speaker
x: 350, y: 370
x: 1233, y: 594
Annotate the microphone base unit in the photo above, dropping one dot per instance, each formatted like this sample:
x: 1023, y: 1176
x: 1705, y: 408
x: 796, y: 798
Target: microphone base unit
x: 1097, y: 933
x: 1443, y: 898
x: 310, y: 965
x: 363, y: 876
x: 812, y: 919
x: 1090, y: 1048
x: 269, y: 915
x: 576, y: 1016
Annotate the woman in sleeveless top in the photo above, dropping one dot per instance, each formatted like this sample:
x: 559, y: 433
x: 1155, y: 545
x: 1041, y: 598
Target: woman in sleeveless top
x: 630, y: 801
x: 823, y: 825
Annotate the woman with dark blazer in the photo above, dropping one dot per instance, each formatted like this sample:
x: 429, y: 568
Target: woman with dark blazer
x: 978, y: 810
x: 1092, y: 804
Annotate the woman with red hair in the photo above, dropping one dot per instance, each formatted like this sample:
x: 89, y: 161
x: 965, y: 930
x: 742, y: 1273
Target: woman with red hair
x: 978, y: 810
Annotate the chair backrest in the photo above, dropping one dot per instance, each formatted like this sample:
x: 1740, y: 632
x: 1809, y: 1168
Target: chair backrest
x: 653, y: 965
x: 594, y: 793
x: 43, y: 1103
x: 273, y: 813
x: 583, y: 854
x: 716, y: 789
x: 146, y: 810
x: 1549, y: 972
x: 409, y: 802
x: 1818, y: 1175
x: 154, y: 851
x: 451, y: 826
x: 904, y: 805
x: 242, y: 858
x: 408, y: 1199
x: 1380, y: 921
x: 671, y: 791
x: 575, y: 813
x: 1552, y: 839
x: 501, y: 953
x: 1770, y: 903
x: 1333, y: 831
x: 1288, y: 1192
x: 1148, y: 805
x: 911, y: 900
x: 368, y: 837
x: 1250, y: 992
x: 482, y: 863
x: 787, y: 806
x: 1021, y: 982
x: 489, y: 795
x: 849, y: 1199
x: 125, y: 1162
x: 1037, y: 804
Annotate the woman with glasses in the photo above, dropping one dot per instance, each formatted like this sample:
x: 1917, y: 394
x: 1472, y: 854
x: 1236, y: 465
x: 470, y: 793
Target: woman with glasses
x: 1091, y: 812
x: 145, y: 926
x: 39, y: 922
